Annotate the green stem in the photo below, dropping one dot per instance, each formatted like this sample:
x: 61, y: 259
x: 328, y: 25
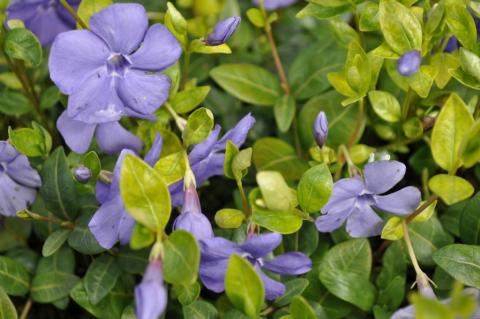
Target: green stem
x: 179, y: 121
x: 406, y: 103
x: 186, y: 67
x: 246, y: 208
x: 74, y: 14
x: 359, y: 123
x: 26, y: 214
x: 26, y: 309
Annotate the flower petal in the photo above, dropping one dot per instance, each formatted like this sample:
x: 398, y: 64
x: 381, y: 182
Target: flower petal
x: 115, y: 183
x: 121, y: 26
x: 212, y: 274
x: 364, y: 222
x: 217, y: 248
x: 104, y: 225
x: 334, y: 219
x: 78, y: 135
x: 21, y: 172
x: 237, y: 134
x: 74, y: 57
x: 273, y: 288
x: 102, y: 192
x: 7, y: 152
x: 154, y: 153
x: 211, y: 166
x: 261, y: 245
x: 112, y: 138
x: 195, y: 223
x: 125, y: 228
x: 402, y: 202
x: 291, y: 263
x: 143, y: 93
x: 14, y: 197
x: 159, y: 50
x: 150, y: 299
x: 343, y: 193
x: 202, y: 150
x: 381, y: 176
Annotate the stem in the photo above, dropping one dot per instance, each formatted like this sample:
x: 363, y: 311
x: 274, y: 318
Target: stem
x: 26, y: 309
x: 359, y: 123
x: 420, y: 209
x: 26, y: 214
x: 179, y: 121
x: 186, y: 67
x: 406, y: 104
x: 276, y: 58
x: 246, y: 208
x: 74, y: 14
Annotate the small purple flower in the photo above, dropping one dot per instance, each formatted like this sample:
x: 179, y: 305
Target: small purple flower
x: 206, y: 159
x: 18, y: 181
x: 223, y: 30
x: 151, y: 294
x: 192, y: 219
x: 320, y: 129
x: 45, y: 18
x: 353, y: 198
x: 271, y: 5
x: 409, y: 63
x: 82, y: 174
x: 216, y: 253
x: 452, y: 44
x: 111, y: 222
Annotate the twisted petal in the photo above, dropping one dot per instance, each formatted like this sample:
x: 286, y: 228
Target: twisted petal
x: 105, y: 223
x: 381, y: 176
x: 237, y: 134
x: 273, y: 288
x: 211, y: 166
x: 143, y: 93
x: 14, y: 197
x: 333, y: 220
x: 261, y: 245
x: 196, y: 223
x: 202, y: 150
x: 121, y: 26
x: 364, y: 222
x: 402, y: 202
x: 74, y: 57
x: 7, y: 152
x: 78, y: 135
x: 291, y: 263
x: 154, y: 153
x: 21, y: 172
x: 159, y: 50
x: 112, y: 138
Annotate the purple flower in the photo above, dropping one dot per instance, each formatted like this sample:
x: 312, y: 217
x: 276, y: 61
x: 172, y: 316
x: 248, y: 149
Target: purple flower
x: 271, y: 5
x: 151, y: 294
x: 452, y: 44
x: 216, y: 253
x: 192, y: 219
x: 409, y: 63
x: 111, y: 222
x: 45, y: 18
x: 18, y: 181
x: 320, y: 129
x: 223, y: 30
x: 206, y: 159
x: 353, y: 198
x: 82, y: 174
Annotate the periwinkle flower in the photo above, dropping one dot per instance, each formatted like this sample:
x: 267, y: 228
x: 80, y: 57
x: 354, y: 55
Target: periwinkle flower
x: 216, y: 253
x: 271, y: 5
x: 18, y: 181
x: 206, y: 159
x: 151, y: 294
x: 352, y: 200
x: 45, y: 18
x: 451, y: 45
x: 223, y: 30
x: 111, y: 222
x: 409, y: 63
x: 320, y: 129
x: 191, y: 218
x: 82, y: 174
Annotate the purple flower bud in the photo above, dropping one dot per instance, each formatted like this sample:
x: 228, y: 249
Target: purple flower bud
x: 82, y: 174
x: 223, y: 30
x: 409, y: 63
x: 150, y: 294
x: 320, y: 129
x: 451, y: 45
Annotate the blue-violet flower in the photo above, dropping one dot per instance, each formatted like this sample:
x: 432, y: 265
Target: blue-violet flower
x: 409, y: 63
x: 151, y: 294
x: 320, y: 129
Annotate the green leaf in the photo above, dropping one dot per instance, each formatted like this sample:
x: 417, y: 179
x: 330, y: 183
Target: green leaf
x: 187, y: 100
x: 182, y: 258
x: 14, y: 103
x: 142, y: 237
x: 284, y: 110
x: 14, y: 278
x: 427, y: 308
x: 244, y: 287
x: 22, y: 44
x: 171, y: 167
x: 187, y: 294
x: 101, y: 277
x: 92, y: 161
x: 52, y: 286
x: 300, y: 309
x: 385, y: 105
x: 276, y: 155
x: 462, y: 262
x: 55, y: 241
x: 229, y: 218
x: 133, y: 261
x: 315, y: 188
x: 451, y: 189
x: 413, y: 127
x: 469, y: 222
x: 461, y: 24
x: 87, y: 8
x: 451, y: 128
x: 369, y: 18
x: 293, y: 288
x: 241, y: 162
x: 470, y: 149
x: 199, y: 46
x: 248, y: 82
x: 177, y: 24
x: 145, y: 194
x: 50, y: 97
x: 7, y: 308
x: 199, y: 125
x: 256, y: 17
x: 58, y: 186
x: 200, y: 310
x: 81, y: 238
x: 470, y: 63
x: 231, y: 151
x: 393, y: 229
x: 321, y: 12
x: 275, y: 191
x: 27, y: 141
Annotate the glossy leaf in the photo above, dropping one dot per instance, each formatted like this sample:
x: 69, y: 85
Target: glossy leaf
x: 461, y: 261
x: 315, y: 188
x: 451, y: 189
x: 101, y: 277
x: 182, y: 258
x: 14, y: 278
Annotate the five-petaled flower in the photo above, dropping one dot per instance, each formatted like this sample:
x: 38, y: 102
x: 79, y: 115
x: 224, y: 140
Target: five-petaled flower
x: 45, y: 18
x: 353, y: 198
x: 112, y: 70
x: 151, y: 294
x: 223, y: 30
x: 18, y: 181
x: 216, y: 253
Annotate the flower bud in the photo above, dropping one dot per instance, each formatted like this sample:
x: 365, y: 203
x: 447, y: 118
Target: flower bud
x: 151, y: 294
x: 223, y: 30
x: 82, y: 174
x: 320, y: 129
x: 409, y: 63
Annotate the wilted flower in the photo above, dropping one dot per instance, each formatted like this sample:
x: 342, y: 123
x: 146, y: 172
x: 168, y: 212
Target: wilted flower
x: 206, y: 159
x: 18, y: 181
x: 192, y: 219
x: 111, y: 222
x: 45, y: 18
x: 320, y: 129
x: 223, y: 30
x: 82, y: 174
x: 409, y: 63
x: 151, y: 294
x: 216, y: 253
x: 353, y: 198
x: 275, y: 4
